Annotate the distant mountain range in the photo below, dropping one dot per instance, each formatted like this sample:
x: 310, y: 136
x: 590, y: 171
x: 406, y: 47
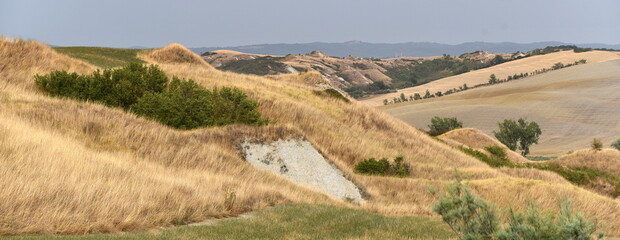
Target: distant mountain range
x: 383, y: 50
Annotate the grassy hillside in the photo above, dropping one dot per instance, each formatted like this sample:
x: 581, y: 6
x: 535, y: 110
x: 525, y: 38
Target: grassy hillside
x: 101, y: 56
x: 572, y: 106
x: 502, y: 71
x: 80, y: 167
x: 299, y: 221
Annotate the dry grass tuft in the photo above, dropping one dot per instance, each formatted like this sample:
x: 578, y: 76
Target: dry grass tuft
x: 74, y: 167
x: 174, y: 53
x: 21, y: 59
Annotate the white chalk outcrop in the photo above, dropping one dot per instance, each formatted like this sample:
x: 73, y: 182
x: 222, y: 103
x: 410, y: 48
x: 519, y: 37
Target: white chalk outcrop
x: 300, y: 162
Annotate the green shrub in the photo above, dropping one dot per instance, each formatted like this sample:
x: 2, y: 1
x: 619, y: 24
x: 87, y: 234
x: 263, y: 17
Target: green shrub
x: 493, y: 161
x: 616, y: 144
x: 596, y: 144
x: 442, y: 125
x: 471, y: 217
x: 468, y: 215
x: 534, y: 224
x: 182, y: 104
x: 113, y: 87
x: 497, y: 151
x: 373, y: 167
x: 383, y: 167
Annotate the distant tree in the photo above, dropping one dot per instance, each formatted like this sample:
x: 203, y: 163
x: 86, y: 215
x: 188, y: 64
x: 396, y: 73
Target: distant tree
x: 417, y: 96
x: 438, y: 94
x: 492, y: 79
x: 465, y: 87
x: 582, y: 61
x: 441, y: 125
x: 518, y: 134
x: 596, y: 144
x: 427, y: 94
x: 402, y: 97
x: 385, y: 102
x: 616, y: 144
x: 558, y: 66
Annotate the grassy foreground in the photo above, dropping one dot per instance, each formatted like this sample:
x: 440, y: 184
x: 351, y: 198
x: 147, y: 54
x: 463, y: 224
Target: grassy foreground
x: 294, y: 221
x: 102, y: 57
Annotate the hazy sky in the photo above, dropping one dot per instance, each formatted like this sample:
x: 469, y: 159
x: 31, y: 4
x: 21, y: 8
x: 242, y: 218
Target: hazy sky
x: 154, y: 23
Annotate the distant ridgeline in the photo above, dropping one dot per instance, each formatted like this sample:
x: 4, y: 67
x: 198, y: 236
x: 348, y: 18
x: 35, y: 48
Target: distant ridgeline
x: 492, y: 80
x: 431, y: 70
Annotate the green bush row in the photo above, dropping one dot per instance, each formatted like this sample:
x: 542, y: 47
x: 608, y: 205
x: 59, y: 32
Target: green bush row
x: 145, y: 91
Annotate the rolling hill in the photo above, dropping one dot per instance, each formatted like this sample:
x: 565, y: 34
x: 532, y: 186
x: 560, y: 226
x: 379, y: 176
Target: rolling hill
x: 81, y: 167
x: 572, y: 106
x: 382, y: 50
x: 502, y: 71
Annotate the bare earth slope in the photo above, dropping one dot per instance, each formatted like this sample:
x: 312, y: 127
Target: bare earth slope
x: 572, y: 106
x: 76, y: 167
x: 502, y: 71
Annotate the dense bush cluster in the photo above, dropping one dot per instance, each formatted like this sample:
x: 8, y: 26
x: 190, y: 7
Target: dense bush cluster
x: 383, y: 167
x: 471, y: 217
x: 442, y: 125
x: 144, y: 90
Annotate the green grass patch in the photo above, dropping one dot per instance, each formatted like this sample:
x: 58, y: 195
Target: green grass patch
x: 540, y: 158
x: 295, y: 221
x: 493, y: 160
x: 103, y: 57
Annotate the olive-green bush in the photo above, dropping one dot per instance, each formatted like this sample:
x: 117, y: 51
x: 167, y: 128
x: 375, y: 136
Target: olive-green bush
x: 144, y: 90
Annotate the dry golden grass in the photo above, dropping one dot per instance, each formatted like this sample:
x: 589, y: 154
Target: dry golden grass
x: 476, y: 139
x: 71, y: 167
x: 502, y: 71
x: 606, y: 160
x: 174, y: 53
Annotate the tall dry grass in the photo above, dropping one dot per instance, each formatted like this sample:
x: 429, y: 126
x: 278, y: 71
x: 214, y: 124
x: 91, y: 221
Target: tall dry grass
x: 606, y: 160
x: 71, y: 167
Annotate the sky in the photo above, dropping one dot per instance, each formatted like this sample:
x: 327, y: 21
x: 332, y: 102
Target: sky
x: 219, y: 23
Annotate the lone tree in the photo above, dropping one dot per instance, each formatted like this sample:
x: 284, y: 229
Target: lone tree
x: 441, y: 125
x: 493, y: 79
x: 518, y: 134
x: 596, y: 144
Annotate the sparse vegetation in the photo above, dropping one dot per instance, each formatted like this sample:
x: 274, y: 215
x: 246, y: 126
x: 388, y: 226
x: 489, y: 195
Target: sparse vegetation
x: 332, y: 93
x: 471, y: 217
x: 440, y: 125
x: 383, y: 167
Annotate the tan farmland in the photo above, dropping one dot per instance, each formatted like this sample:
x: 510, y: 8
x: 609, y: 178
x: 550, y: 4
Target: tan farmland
x: 501, y: 71
x: 572, y: 106
x: 80, y: 167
